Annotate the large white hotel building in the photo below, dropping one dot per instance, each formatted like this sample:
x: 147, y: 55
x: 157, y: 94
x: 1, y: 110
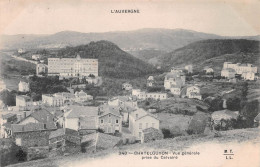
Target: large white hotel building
x: 72, y: 67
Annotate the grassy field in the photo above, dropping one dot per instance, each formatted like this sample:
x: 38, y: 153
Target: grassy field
x: 178, y: 124
x: 229, y: 139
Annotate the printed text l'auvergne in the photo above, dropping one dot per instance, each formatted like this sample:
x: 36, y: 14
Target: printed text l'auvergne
x: 125, y: 11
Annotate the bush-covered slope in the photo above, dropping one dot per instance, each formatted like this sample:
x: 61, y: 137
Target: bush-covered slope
x: 214, y: 53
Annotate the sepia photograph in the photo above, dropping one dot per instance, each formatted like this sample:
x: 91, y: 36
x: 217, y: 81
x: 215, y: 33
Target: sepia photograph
x: 129, y: 83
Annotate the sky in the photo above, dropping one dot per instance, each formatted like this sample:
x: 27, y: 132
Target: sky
x: 235, y: 18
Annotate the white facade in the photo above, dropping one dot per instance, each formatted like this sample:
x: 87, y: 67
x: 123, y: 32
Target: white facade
x: 82, y: 96
x: 54, y: 100
x: 152, y: 95
x: 23, y: 102
x: 72, y: 67
x: 189, y: 68
x: 23, y: 87
x: 228, y: 73
x: 36, y: 56
x: 140, y: 120
x: 127, y: 86
x: 248, y: 76
x: 240, y: 68
x: 174, y: 79
x: 208, y: 70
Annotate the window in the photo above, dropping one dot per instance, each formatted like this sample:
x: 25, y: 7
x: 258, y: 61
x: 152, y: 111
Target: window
x: 117, y: 121
x: 140, y: 134
x: 102, y: 121
x: 140, y: 125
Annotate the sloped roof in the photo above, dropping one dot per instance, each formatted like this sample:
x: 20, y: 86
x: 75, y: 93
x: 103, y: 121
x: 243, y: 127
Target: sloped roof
x: 63, y: 131
x: 27, y: 127
x: 81, y: 111
x: 110, y: 110
x: 141, y: 113
x: 43, y: 116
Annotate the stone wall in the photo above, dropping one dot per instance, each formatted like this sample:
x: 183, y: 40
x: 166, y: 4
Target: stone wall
x: 34, y: 153
x: 156, y: 135
x: 34, y: 138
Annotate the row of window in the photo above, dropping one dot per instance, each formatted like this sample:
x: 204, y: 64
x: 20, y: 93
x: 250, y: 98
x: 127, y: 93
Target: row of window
x: 109, y: 121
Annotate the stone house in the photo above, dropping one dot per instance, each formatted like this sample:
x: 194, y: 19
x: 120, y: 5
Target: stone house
x: 208, y: 70
x: 142, y: 95
x: 226, y: 114
x: 228, y: 73
x: 150, y: 81
x: 30, y: 135
x: 110, y: 119
x: 23, y: 102
x: 192, y: 92
x: 189, y: 68
x: 40, y: 116
x: 175, y: 90
x: 151, y: 134
x: 174, y: 79
x: 248, y: 76
x: 140, y: 120
x: 82, y: 96
x: 72, y: 115
x: 63, y: 141
x: 127, y: 86
x: 36, y: 57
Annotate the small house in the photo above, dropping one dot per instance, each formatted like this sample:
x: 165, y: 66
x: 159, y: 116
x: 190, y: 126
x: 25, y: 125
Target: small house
x: 64, y: 140
x: 140, y: 120
x: 127, y: 86
x: 151, y: 134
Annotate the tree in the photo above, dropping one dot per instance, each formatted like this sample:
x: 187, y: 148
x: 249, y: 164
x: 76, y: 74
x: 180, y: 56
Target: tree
x: 8, y: 98
x: 233, y: 104
x: 250, y: 111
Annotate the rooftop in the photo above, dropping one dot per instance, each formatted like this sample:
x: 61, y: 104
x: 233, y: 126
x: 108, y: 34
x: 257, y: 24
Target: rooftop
x: 82, y: 111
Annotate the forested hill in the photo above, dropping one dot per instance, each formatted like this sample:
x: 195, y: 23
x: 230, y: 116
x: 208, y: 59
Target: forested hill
x: 113, y: 62
x: 213, y: 53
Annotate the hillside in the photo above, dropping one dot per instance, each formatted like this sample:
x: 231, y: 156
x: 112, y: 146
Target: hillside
x: 241, y: 141
x: 149, y: 38
x: 213, y: 53
x: 113, y: 62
